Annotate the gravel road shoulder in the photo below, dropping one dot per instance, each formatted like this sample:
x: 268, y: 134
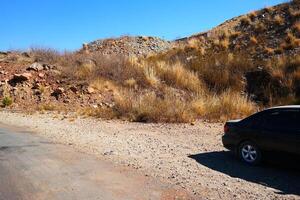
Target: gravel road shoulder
x: 180, y: 154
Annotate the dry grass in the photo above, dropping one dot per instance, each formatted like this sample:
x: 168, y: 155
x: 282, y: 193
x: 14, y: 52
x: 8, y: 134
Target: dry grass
x: 245, y: 21
x: 294, y: 13
x: 224, y: 44
x: 177, y: 75
x: 103, y: 85
x: 47, y: 107
x: 259, y: 27
x: 253, y: 16
x: 291, y: 42
x: 253, y: 40
x: 268, y: 51
x: 222, y: 106
x: 296, y: 27
x: 234, y: 35
x: 47, y: 55
x: 171, y: 88
x: 149, y: 107
x: 279, y: 20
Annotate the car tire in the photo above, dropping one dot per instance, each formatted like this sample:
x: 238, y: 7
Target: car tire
x: 249, y: 153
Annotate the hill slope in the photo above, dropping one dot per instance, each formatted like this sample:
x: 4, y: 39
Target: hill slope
x: 263, y: 33
x: 244, y: 64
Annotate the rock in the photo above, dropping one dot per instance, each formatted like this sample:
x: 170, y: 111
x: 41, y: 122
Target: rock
x: 19, y: 78
x: 66, y: 101
x: 26, y: 54
x: 74, y: 89
x: 35, y: 67
x: 41, y: 75
x: 108, y: 153
x: 37, y: 92
x: 48, y: 67
x: 58, y: 92
x: 91, y: 90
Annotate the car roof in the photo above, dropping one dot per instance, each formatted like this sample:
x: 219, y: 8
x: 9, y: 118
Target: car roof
x: 285, y: 107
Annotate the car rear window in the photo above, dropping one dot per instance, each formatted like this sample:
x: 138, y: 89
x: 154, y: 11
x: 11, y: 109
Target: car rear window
x: 282, y: 120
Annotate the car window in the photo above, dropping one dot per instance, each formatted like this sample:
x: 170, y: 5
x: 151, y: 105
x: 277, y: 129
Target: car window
x: 281, y: 120
x: 252, y: 121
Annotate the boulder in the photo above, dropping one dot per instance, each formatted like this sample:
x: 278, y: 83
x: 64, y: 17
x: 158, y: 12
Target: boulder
x: 19, y: 78
x: 35, y: 67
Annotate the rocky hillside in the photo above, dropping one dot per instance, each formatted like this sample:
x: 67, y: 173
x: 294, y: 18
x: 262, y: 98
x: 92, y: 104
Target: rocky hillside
x: 137, y: 46
x: 256, y: 53
x: 264, y: 33
x: 246, y: 63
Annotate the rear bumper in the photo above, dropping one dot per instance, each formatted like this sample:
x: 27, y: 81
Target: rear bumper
x: 229, y: 142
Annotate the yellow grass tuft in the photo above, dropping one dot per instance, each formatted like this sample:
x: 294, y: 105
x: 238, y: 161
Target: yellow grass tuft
x: 279, y: 20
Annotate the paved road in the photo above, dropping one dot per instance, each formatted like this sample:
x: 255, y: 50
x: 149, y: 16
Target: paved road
x: 32, y: 168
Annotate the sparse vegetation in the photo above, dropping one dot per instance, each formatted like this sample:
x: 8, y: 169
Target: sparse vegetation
x: 279, y: 20
x: 203, y: 77
x: 7, y: 101
x: 245, y: 21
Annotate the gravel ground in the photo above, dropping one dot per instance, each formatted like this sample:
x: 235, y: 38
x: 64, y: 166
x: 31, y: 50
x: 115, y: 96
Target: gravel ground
x: 180, y: 154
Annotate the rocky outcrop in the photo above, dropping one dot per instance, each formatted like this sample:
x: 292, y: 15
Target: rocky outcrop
x: 138, y: 46
x: 19, y: 78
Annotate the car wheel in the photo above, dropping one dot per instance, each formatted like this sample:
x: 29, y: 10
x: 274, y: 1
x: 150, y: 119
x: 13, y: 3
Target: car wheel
x: 249, y: 153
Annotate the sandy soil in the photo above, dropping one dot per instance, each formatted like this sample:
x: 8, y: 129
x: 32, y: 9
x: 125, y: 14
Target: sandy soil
x: 180, y: 154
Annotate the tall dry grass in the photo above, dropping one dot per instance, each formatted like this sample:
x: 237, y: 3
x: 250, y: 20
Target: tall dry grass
x: 170, y: 90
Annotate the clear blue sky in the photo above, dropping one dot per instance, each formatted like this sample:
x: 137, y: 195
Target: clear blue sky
x: 66, y: 24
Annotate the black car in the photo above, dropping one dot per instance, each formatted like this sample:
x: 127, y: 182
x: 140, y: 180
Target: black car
x: 272, y: 130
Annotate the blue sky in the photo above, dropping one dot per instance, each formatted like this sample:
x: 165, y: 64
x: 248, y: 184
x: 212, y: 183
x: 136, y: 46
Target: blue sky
x: 66, y: 24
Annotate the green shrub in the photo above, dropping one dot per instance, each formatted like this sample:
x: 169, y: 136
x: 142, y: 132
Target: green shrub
x: 7, y: 101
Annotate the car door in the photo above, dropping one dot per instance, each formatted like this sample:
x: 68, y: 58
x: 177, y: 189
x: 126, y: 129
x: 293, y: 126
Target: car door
x: 293, y: 132
x: 276, y: 134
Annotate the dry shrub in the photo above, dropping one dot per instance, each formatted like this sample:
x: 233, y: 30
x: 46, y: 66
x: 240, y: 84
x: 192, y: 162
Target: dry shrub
x: 228, y: 105
x: 222, y: 71
x: 193, y: 43
x: 178, y: 76
x: 253, y: 15
x: 259, y: 27
x: 268, y: 51
x: 99, y: 112
x: 149, y: 107
x: 224, y: 44
x: 294, y: 13
x: 103, y: 85
x: 47, y: 107
x: 131, y: 83
x: 150, y: 76
x: 253, y: 40
x: 296, y: 27
x: 47, y: 55
x: 234, y: 35
x: 291, y: 42
x: 245, y: 21
x: 84, y: 71
x: 269, y: 9
x: 278, y: 20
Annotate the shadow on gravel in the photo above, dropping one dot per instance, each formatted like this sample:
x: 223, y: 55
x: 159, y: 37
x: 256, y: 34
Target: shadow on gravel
x: 282, y: 174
